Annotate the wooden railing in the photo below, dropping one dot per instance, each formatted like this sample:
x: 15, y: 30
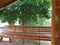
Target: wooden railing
x: 26, y: 32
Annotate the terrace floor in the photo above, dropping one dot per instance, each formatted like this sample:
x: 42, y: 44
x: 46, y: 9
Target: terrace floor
x: 20, y: 43
x: 5, y: 41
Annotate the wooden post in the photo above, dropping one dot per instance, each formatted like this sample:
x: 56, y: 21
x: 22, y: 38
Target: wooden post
x: 53, y: 23
x: 56, y: 23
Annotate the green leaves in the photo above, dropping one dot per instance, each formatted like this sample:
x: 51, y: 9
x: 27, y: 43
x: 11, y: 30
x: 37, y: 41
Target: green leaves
x: 8, y: 16
x: 26, y: 11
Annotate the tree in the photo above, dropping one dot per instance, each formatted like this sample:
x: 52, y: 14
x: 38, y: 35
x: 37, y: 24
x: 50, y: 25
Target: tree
x: 8, y: 15
x: 26, y: 11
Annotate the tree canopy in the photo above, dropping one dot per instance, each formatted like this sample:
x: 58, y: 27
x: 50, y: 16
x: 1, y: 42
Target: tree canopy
x: 25, y: 11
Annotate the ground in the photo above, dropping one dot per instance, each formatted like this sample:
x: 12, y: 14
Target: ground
x: 19, y: 42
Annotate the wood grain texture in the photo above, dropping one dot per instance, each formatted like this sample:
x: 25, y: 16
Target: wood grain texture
x: 56, y: 22
x: 3, y: 3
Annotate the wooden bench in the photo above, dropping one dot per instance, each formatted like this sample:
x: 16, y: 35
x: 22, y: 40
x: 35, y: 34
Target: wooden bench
x: 27, y: 32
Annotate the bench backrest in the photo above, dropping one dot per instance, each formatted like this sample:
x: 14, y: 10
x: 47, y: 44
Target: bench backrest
x: 30, y: 29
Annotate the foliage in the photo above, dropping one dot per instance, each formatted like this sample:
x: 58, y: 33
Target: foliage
x: 25, y: 11
x: 9, y: 16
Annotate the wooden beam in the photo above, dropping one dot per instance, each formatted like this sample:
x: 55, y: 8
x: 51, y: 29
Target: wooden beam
x: 3, y: 3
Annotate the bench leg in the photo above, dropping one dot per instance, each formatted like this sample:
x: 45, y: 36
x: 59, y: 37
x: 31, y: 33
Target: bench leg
x: 10, y: 39
x: 1, y: 39
x: 23, y: 41
x: 39, y: 42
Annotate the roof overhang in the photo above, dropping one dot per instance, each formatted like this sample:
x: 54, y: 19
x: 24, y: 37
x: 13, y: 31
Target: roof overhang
x: 3, y: 3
